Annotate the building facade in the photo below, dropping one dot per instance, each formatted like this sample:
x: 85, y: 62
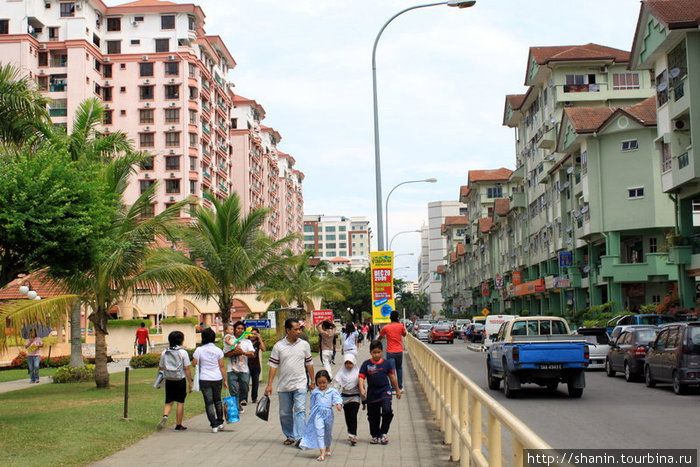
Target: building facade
x: 343, y: 241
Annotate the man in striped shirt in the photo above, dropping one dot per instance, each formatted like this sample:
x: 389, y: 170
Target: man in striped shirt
x: 289, y: 357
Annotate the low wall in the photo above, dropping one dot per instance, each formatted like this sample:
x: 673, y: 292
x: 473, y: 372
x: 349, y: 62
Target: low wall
x: 187, y: 329
x: 57, y: 350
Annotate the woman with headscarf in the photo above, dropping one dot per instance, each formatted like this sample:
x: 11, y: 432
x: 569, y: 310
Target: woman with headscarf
x: 346, y: 381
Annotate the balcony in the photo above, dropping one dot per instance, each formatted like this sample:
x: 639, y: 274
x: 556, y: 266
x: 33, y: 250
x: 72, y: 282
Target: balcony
x: 59, y: 87
x: 206, y: 129
x: 59, y: 62
x: 582, y: 88
x: 205, y: 85
x: 206, y: 174
x: 58, y: 112
x: 656, y: 264
x: 518, y: 200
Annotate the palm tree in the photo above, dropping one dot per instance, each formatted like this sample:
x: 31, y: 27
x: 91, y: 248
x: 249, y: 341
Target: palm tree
x: 22, y: 108
x: 233, y: 249
x: 300, y: 282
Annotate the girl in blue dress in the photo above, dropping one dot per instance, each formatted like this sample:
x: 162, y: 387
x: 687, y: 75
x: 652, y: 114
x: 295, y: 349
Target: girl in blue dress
x: 318, y: 432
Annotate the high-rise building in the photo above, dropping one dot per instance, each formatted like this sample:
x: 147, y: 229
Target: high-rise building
x: 343, y: 241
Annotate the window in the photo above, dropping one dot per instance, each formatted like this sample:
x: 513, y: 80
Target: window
x: 665, y: 157
x: 4, y: 26
x: 114, y: 47
x: 308, y: 238
x: 341, y: 228
x: 630, y: 145
x: 580, y: 83
x: 167, y: 22
x: 661, y: 88
x: 308, y: 228
x: 330, y: 237
x: 625, y: 81
x: 193, y: 140
x: 193, y: 187
x: 330, y: 246
x: 172, y: 91
x: 146, y: 93
x: 146, y: 116
x: 172, y: 115
x: 106, y: 71
x: 172, y: 138
x: 193, y: 116
x: 107, y: 94
x: 148, y: 211
x: 146, y: 140
x: 135, y: 41
x: 144, y: 184
x: 635, y: 192
x: 172, y: 186
x: 194, y: 92
x: 107, y: 117
x: 192, y: 70
x: 114, y: 24
x: 147, y: 163
x: 653, y: 247
x: 67, y: 10
x: 172, y: 68
x: 162, y: 45
x: 494, y: 192
x: 172, y: 162
x: 584, y: 162
x: 677, y: 70
x: 191, y: 23
x: 342, y: 236
x: 193, y: 163
x: 330, y: 228
x: 53, y: 33
x: 146, y: 69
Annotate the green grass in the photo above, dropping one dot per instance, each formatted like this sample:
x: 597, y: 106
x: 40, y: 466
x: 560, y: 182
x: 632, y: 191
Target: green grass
x: 14, y: 375
x: 75, y: 424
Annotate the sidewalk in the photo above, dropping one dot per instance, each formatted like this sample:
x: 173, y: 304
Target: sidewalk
x: 414, y: 438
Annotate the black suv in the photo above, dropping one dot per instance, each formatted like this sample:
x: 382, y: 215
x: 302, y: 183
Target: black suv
x: 675, y: 357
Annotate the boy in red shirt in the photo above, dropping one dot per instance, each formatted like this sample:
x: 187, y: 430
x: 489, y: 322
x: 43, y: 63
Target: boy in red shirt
x: 142, y: 339
x: 393, y: 333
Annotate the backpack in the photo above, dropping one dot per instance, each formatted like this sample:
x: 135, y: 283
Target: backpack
x: 173, y: 365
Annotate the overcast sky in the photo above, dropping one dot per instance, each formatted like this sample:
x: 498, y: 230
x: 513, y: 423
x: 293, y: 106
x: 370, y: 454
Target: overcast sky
x: 443, y: 74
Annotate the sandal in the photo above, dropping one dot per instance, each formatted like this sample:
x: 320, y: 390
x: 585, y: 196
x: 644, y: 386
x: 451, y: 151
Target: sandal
x: 288, y: 442
x: 328, y: 454
x: 320, y: 458
x: 374, y: 441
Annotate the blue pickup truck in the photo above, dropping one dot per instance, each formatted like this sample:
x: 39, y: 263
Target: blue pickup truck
x: 540, y: 350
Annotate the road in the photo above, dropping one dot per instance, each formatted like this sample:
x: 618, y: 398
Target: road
x: 611, y: 414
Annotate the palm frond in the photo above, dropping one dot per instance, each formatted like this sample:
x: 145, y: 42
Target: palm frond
x: 50, y: 312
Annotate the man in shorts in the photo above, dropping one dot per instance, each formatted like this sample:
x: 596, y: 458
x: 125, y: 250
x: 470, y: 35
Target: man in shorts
x: 175, y: 389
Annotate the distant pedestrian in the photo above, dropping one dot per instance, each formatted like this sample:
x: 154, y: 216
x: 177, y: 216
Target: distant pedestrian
x: 365, y: 331
x: 142, y: 340
x: 212, y: 376
x: 347, y: 382
x: 318, y: 433
x: 254, y: 363
x: 175, y: 366
x: 349, y: 337
x: 326, y: 332
x: 376, y: 378
x: 335, y: 342
x: 238, y: 375
x: 394, y: 333
x: 33, y: 346
x: 289, y: 356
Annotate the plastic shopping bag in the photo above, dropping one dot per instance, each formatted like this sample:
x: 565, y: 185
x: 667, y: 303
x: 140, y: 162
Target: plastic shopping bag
x: 195, y: 380
x: 231, y: 409
x: 262, y: 411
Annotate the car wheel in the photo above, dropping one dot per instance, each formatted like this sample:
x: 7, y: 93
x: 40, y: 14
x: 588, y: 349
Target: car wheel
x: 647, y: 377
x: 574, y: 393
x: 494, y: 383
x: 678, y: 388
x: 552, y: 386
x: 507, y: 391
x: 629, y: 377
x: 608, y: 368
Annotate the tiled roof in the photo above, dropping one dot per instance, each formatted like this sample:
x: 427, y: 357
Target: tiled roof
x: 463, y: 191
x: 645, y: 111
x: 456, y: 220
x: 590, y: 119
x: 147, y: 3
x: 502, y: 206
x: 453, y: 256
x: 491, y: 175
x: 485, y: 224
x: 676, y: 14
x: 339, y: 259
x: 460, y: 249
x: 543, y: 55
x: 515, y: 100
x: 38, y: 282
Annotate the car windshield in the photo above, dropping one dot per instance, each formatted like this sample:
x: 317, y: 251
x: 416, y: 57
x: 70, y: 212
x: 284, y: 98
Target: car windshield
x: 645, y: 336
x: 478, y: 327
x: 442, y: 327
x: 596, y: 339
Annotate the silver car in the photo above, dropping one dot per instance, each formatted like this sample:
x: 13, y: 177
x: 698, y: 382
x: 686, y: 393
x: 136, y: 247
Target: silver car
x: 423, y: 332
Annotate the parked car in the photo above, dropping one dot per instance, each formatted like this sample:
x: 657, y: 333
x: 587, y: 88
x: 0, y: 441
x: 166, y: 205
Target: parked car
x: 617, y: 330
x: 628, y: 352
x: 474, y: 333
x: 423, y: 331
x: 493, y: 324
x: 643, y: 319
x: 675, y: 357
x: 597, y: 340
x: 441, y: 332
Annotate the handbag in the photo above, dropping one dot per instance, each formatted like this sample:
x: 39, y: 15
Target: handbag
x: 231, y: 409
x: 262, y: 410
x: 195, y: 382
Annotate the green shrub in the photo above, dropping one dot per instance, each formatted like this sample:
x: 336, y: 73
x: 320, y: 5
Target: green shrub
x: 149, y: 360
x: 66, y: 374
x: 128, y: 323
x: 179, y: 321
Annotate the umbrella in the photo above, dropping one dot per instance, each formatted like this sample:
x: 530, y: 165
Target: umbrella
x: 41, y: 330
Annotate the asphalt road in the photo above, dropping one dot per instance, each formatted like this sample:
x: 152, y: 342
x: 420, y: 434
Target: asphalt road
x: 611, y: 414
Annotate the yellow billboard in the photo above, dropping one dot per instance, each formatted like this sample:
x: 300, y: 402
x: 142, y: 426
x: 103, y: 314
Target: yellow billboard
x: 382, y: 270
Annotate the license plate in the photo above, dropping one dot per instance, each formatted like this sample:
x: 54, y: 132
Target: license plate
x: 550, y: 366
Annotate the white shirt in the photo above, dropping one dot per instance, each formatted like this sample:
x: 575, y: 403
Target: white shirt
x: 208, y: 357
x: 350, y: 341
x: 239, y: 363
x: 292, y: 360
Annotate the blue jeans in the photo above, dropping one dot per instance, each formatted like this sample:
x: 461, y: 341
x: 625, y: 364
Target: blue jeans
x: 398, y: 363
x: 238, y: 386
x: 211, y: 391
x: 293, y: 413
x: 33, y: 363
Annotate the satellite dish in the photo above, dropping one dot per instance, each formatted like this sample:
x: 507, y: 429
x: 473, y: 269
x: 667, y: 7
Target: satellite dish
x: 674, y: 72
x: 570, y: 170
x: 662, y: 86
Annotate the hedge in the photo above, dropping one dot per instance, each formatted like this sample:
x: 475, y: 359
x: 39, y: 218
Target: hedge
x: 66, y: 374
x: 179, y: 321
x: 132, y: 323
x: 20, y: 361
x: 149, y: 360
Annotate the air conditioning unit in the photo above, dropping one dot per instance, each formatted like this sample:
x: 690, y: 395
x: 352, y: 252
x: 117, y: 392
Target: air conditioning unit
x: 680, y: 124
x: 146, y: 81
x: 171, y: 57
x: 106, y: 83
x: 147, y: 104
x: 106, y: 59
x: 134, y: 22
x: 172, y: 151
x: 106, y: 106
x: 173, y: 104
x: 78, y: 5
x: 171, y: 127
x: 172, y: 175
x: 146, y: 176
x: 147, y: 128
x: 42, y: 46
x: 41, y: 72
x: 172, y: 198
x: 144, y: 58
x: 172, y: 80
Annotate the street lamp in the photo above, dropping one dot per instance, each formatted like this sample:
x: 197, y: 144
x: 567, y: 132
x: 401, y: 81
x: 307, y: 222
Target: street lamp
x: 386, y: 209
x: 399, y: 233
x: 377, y: 160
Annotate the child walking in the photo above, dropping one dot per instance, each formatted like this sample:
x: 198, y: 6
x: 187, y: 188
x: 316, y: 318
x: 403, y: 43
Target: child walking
x: 376, y: 373
x: 318, y: 432
x: 347, y: 382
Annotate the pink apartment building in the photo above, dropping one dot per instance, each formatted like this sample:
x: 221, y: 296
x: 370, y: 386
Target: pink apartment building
x: 163, y: 81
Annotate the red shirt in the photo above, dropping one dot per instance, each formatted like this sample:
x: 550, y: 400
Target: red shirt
x: 393, y: 332
x: 142, y: 336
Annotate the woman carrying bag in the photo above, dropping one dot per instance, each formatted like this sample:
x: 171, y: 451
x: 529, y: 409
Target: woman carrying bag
x: 212, y: 378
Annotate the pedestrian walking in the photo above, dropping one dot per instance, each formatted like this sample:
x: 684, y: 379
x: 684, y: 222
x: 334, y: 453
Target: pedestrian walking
x: 142, y: 340
x: 326, y: 332
x: 347, y: 382
x: 377, y: 375
x: 349, y: 337
x: 289, y: 357
x: 254, y: 366
x: 33, y: 346
x: 318, y: 433
x: 212, y: 377
x: 175, y: 366
x: 237, y: 374
x: 394, y: 333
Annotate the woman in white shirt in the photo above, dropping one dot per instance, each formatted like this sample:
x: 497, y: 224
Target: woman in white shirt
x: 350, y: 339
x: 212, y: 377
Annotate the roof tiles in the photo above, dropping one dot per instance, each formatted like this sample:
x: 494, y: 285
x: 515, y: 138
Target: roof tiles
x: 491, y: 175
x: 676, y: 14
x: 543, y: 55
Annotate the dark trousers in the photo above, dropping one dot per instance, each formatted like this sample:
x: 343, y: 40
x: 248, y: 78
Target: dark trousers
x: 211, y: 391
x: 141, y: 348
x: 379, y: 415
x: 254, y: 382
x: 398, y: 364
x: 350, y: 410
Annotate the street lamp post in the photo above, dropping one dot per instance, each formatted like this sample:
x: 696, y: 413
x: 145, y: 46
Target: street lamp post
x: 399, y: 233
x: 386, y: 210
x: 377, y: 160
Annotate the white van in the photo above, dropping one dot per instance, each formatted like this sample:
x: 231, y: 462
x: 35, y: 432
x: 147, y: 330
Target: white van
x: 493, y: 324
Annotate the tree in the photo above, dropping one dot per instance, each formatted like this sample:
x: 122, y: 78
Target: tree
x: 299, y: 283
x: 414, y: 304
x: 23, y: 113
x: 232, y: 249
x: 359, y: 298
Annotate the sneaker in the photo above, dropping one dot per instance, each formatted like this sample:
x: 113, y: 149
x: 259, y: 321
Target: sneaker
x: 244, y: 402
x: 241, y: 410
x: 161, y: 423
x: 222, y: 427
x: 215, y: 429
x: 297, y: 443
x: 180, y: 428
x: 384, y: 440
x: 352, y: 439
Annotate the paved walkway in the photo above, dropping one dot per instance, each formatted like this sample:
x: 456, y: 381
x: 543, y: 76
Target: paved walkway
x: 414, y: 439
